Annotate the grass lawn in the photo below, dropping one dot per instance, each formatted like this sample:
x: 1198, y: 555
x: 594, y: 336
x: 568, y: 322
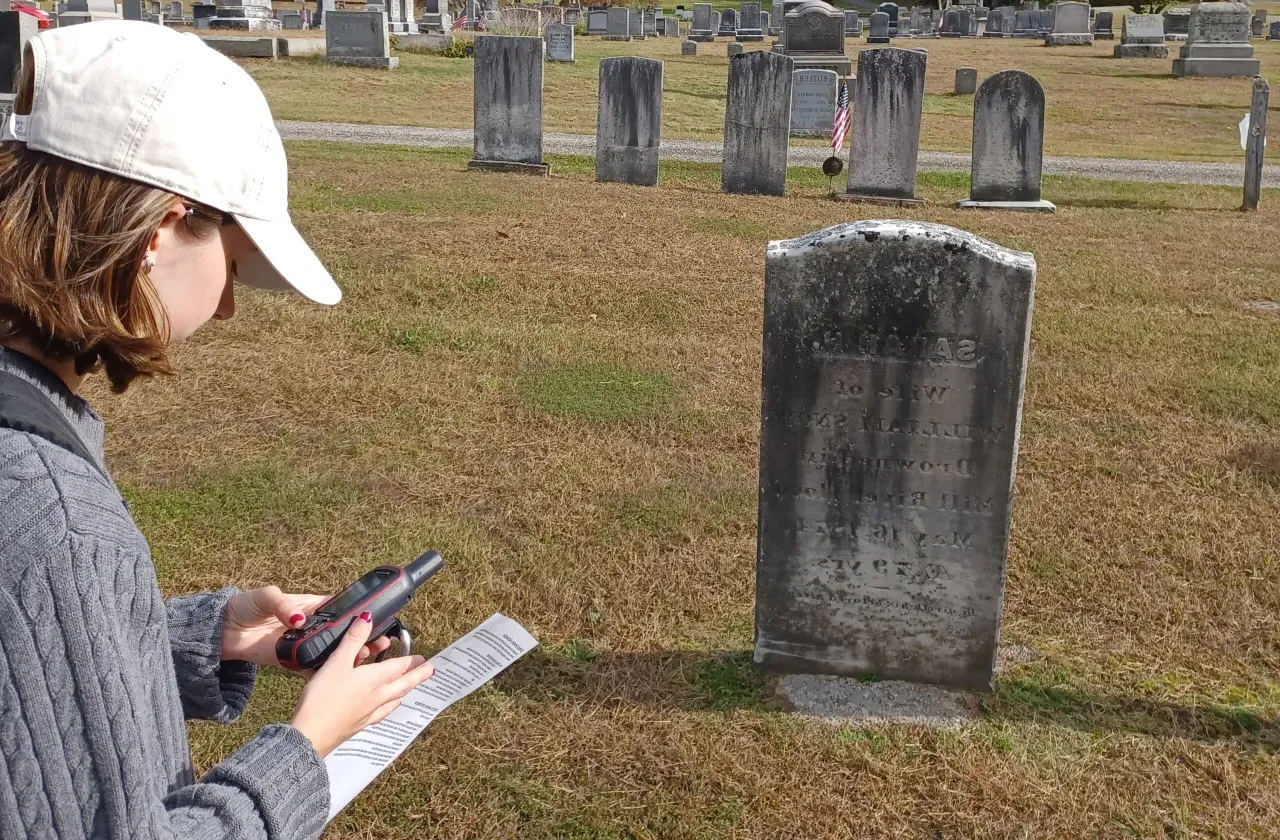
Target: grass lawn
x: 556, y: 383
x: 1097, y: 106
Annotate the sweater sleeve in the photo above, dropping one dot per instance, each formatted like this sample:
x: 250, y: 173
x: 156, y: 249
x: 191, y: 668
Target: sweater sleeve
x: 210, y: 688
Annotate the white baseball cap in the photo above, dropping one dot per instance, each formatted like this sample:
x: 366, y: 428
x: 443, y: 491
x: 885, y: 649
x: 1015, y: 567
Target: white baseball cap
x: 156, y: 106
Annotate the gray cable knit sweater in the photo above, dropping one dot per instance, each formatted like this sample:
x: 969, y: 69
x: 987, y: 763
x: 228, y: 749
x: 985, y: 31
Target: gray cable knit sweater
x: 98, y: 671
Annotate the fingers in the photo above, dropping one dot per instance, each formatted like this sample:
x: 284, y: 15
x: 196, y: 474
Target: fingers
x: 374, y: 648
x: 403, y: 685
x: 355, y: 637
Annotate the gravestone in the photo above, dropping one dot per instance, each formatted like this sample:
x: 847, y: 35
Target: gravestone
x: 1177, y: 23
x: 248, y: 15
x: 928, y: 28
x: 200, y: 11
x: 400, y: 17
x: 703, y: 28
x: 1008, y: 144
x: 890, y: 9
x: 597, y: 21
x: 508, y: 105
x: 16, y: 29
x: 1141, y: 36
x: 672, y: 25
x: 751, y: 28
x: 813, y: 102
x: 879, y: 32
x: 629, y: 121
x: 358, y: 39
x: 916, y: 17
x: 650, y: 23
x: 291, y: 20
x: 1259, y: 22
x: 970, y: 18
x: 131, y: 9
x: 813, y: 37
x: 1045, y: 21
x: 765, y: 22
x: 734, y: 49
x: 573, y: 16
x: 852, y: 24
x: 1026, y: 24
x: 757, y: 121
x: 89, y: 11
x: 887, y: 103
x: 728, y: 23
x: 619, y: 28
x: 635, y: 25
x: 1273, y: 34
x: 775, y: 18
x: 966, y: 81
x: 995, y: 25
x: 953, y: 24
x: 559, y: 42
x: 323, y: 8
x: 174, y: 12
x: 688, y: 47
x: 894, y: 364
x: 1217, y: 43
x: 1070, y: 25
x: 1102, y: 30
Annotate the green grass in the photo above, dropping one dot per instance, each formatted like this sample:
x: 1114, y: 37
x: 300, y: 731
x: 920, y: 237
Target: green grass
x: 597, y: 393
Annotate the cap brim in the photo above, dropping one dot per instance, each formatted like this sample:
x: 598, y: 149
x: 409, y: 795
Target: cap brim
x: 284, y: 261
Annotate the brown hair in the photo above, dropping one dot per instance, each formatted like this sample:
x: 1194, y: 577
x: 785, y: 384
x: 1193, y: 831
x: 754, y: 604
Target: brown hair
x: 72, y: 244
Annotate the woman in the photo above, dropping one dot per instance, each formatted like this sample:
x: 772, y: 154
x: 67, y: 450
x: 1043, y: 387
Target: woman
x: 120, y: 235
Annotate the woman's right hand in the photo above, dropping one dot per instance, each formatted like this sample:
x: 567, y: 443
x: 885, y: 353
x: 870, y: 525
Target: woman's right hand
x: 344, y: 696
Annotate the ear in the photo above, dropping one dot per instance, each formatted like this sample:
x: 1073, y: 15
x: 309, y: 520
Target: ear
x: 166, y: 231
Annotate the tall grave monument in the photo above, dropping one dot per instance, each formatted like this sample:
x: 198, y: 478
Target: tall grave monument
x: 508, y: 105
x: 814, y: 37
x: 757, y: 121
x: 629, y: 121
x: 1217, y: 43
x: 751, y: 27
x: 888, y: 101
x: 704, y: 27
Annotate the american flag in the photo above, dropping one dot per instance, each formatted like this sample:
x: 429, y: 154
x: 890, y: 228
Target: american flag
x: 461, y: 22
x: 841, y: 127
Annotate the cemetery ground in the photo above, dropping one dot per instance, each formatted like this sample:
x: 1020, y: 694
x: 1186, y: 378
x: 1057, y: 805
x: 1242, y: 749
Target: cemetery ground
x: 556, y: 383
x: 1097, y: 106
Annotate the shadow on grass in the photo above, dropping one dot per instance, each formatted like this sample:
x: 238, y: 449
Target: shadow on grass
x: 724, y: 681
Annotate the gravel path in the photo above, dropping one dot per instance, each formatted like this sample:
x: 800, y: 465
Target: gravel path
x: 1111, y: 169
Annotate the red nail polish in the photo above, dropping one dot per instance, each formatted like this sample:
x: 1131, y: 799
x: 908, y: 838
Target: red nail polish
x: 366, y: 616
x: 297, y: 618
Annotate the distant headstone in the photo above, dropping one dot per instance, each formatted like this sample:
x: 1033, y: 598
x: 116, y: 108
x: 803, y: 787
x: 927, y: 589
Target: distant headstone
x: 879, y: 32
x: 888, y: 101
x: 765, y: 21
x: 953, y: 24
x: 508, y: 104
x: 1044, y: 18
x: 16, y: 29
x: 1008, y: 144
x: 131, y: 9
x: 776, y: 13
x: 966, y: 81
x: 890, y: 9
x: 894, y: 365
x: 1177, y: 24
x: 358, y: 38
x: 619, y: 28
x: 629, y: 121
x: 559, y: 42
x: 813, y: 102
x: 88, y: 11
x: 995, y: 25
x: 650, y: 23
x: 1259, y: 22
x: 913, y: 27
x: 728, y: 23
x: 1102, y: 30
x: 688, y: 47
x: 1273, y: 34
x: 757, y: 122
x: 852, y: 25
x: 1026, y: 24
x: 1217, y: 43
x: 704, y: 28
x: 247, y: 15
x: 635, y: 24
x: 400, y: 17
x: 1141, y: 36
x: 750, y: 27
x: 734, y: 49
x: 291, y: 20
x: 813, y: 37
x: 1070, y: 25
x: 597, y: 21
x: 175, y: 12
x: 200, y: 11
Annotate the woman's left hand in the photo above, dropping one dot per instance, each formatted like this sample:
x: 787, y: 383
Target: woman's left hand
x: 255, y: 620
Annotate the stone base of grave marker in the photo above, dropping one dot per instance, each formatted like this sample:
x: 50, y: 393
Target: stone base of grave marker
x: 1104, y: 36
x: 616, y: 38
x: 1215, y: 67
x: 509, y: 167
x: 1068, y: 39
x: 884, y: 40
x: 887, y: 201
x: 1140, y: 51
x: 1041, y: 206
x: 750, y: 35
x: 362, y: 61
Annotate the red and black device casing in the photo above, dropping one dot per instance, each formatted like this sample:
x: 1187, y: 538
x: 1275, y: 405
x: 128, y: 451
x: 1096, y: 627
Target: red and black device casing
x: 390, y: 588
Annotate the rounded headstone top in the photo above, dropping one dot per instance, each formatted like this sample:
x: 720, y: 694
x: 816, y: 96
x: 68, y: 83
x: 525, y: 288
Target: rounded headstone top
x: 871, y: 231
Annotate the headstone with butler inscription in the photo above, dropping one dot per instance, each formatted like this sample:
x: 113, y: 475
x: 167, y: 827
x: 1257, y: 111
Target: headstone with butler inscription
x: 894, y: 365
x: 813, y: 102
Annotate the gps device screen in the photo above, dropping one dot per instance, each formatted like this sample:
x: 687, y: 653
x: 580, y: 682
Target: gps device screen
x: 352, y: 595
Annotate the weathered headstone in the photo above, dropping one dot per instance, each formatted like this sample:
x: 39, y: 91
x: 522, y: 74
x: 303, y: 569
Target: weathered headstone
x: 757, y: 121
x: 703, y: 28
x: 131, y: 9
x: 1102, y: 30
x: 1255, y: 143
x: 765, y: 21
x: 966, y: 81
x: 813, y: 37
x: 1273, y: 34
x: 688, y: 47
x: 1008, y: 144
x: 913, y: 27
x: 1025, y: 24
x: 1259, y: 22
x: 16, y: 29
x: 750, y: 28
x: 1141, y: 36
x: 629, y: 121
x: 879, y: 32
x: 1070, y: 25
x: 734, y: 49
x: 1045, y: 21
x: 852, y: 24
x: 650, y: 23
x: 1217, y: 43
x: 88, y: 11
x: 776, y: 13
x: 400, y: 17
x: 890, y: 9
x: 359, y: 39
x: 559, y: 42
x: 728, y: 23
x: 175, y: 12
x: 953, y: 24
x: 1177, y: 23
x: 597, y: 21
x: 813, y: 102
x: 995, y: 25
x: 893, y: 372
x: 619, y: 28
x: 508, y: 105
x: 887, y: 103
x: 291, y: 20
x: 250, y: 15
x: 635, y: 24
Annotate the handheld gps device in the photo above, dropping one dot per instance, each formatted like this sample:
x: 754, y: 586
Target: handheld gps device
x: 382, y: 592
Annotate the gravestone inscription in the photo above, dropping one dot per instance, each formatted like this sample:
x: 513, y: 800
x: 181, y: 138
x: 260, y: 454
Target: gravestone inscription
x: 559, y: 42
x: 813, y: 102
x: 1141, y: 36
x: 359, y: 39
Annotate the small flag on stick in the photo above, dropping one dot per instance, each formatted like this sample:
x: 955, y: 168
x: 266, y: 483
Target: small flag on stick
x: 841, y: 128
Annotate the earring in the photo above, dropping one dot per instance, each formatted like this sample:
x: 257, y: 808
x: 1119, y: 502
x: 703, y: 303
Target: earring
x: 148, y: 264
